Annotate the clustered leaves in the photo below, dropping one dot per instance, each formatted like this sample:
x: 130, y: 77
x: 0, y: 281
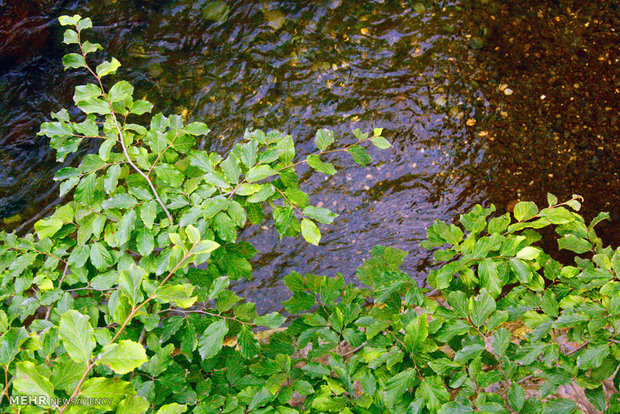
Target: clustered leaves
x: 95, y: 300
x: 123, y: 293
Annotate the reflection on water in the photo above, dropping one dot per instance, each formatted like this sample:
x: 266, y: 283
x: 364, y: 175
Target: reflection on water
x: 457, y: 86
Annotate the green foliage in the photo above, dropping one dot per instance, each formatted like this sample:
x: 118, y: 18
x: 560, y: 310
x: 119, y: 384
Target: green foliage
x: 123, y: 293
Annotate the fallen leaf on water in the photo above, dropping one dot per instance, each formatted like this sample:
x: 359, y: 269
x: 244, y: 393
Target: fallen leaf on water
x: 470, y: 122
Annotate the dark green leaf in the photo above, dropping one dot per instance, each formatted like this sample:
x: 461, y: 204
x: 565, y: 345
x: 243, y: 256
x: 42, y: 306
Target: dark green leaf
x: 212, y: 339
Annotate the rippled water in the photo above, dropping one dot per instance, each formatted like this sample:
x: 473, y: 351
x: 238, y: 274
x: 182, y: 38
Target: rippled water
x: 484, y: 102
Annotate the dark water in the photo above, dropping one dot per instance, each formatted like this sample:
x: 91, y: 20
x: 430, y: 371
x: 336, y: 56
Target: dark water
x: 484, y: 101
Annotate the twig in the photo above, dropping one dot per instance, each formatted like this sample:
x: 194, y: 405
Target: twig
x: 120, y: 135
x: 134, y: 310
x: 62, y: 278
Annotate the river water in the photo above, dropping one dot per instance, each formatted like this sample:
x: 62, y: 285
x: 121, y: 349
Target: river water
x: 484, y: 101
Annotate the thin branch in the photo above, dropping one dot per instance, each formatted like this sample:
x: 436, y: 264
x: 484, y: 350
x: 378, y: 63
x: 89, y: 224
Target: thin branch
x: 64, y: 273
x: 120, y: 135
x: 134, y: 310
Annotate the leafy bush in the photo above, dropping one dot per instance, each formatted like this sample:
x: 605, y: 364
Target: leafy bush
x: 123, y: 293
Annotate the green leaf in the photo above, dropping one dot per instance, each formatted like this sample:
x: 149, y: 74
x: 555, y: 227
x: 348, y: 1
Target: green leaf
x: 134, y: 404
x: 316, y: 370
x: 525, y: 210
x: 67, y: 373
x: 69, y: 20
x: 470, y: 350
x: 359, y: 154
x: 297, y: 197
x: 193, y: 234
x: 458, y: 301
x: 85, y: 23
x: 226, y: 300
x: 56, y: 129
x: 197, y: 128
x: 89, y: 47
x: 173, y: 408
x: 323, y: 139
x: 86, y: 92
x: 120, y: 91
x: 299, y: 302
x: 212, y: 339
x: 295, y: 282
x: 359, y: 135
x: 225, y: 227
x: 130, y: 282
x: 141, y: 107
x: 381, y: 142
x: 145, y: 241
x: 94, y: 106
x: 205, y: 246
x: 480, y: 308
x: 121, y: 200
x: 180, y: 295
x: 90, y: 129
x: 122, y: 357
x: 112, y: 390
x: 271, y: 320
x: 10, y: 344
x: 238, y: 214
x: 416, y: 334
x: 551, y: 199
x: 574, y: 204
x: 232, y: 171
x: 499, y: 224
x: 322, y: 215
x: 266, y: 191
x: 70, y: 37
x: 528, y: 253
x: 516, y: 397
x: 77, y: 335
x: 310, y: 232
x: 452, y: 407
x: 559, y: 406
x: 247, y: 343
x: 148, y: 212
x: 433, y: 391
x: 29, y: 380
x: 100, y: 257
x: 259, y: 172
x: 73, y: 60
x: 529, y: 352
x: 108, y: 67
x: 125, y: 227
x: 314, y: 162
x: 501, y: 341
x: 489, y: 277
x: 593, y: 356
x: 574, y: 243
x: 398, y: 385
x: 47, y: 227
x: 522, y: 270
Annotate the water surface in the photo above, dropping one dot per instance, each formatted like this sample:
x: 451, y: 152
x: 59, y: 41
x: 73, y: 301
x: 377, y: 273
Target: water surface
x: 485, y: 102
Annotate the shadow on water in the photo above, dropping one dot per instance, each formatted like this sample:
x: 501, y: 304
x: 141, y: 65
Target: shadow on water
x: 457, y: 86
